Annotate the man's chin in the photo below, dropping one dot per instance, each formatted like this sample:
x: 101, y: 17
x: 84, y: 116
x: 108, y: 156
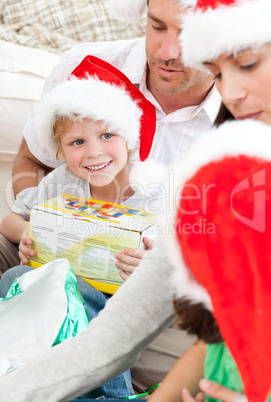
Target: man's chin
x: 165, y: 85
x: 166, y: 88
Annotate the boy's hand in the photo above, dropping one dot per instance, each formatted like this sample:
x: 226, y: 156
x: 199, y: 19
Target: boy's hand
x: 24, y: 250
x: 129, y: 258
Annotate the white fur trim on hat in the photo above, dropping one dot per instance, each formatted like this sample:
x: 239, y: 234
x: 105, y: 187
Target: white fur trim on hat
x: 93, y: 99
x: 183, y: 282
x: 233, y: 138
x: 146, y: 177
x: 133, y: 10
x: 184, y: 4
x: 207, y: 34
x: 127, y: 10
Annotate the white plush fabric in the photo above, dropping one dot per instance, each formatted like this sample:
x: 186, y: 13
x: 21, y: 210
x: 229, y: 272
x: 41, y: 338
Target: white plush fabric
x: 133, y: 10
x: 127, y: 10
x: 92, y: 99
x: 206, y: 35
x: 248, y: 137
x: 232, y: 138
x: 147, y: 176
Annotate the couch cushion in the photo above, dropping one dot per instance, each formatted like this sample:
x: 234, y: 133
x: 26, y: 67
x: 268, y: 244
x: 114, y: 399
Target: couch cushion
x: 22, y: 74
x: 57, y: 25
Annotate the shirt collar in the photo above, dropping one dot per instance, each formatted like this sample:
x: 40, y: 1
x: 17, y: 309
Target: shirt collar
x: 211, y: 103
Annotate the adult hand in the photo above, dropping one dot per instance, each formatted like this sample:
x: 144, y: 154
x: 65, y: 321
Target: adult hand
x: 129, y: 258
x: 24, y: 250
x: 188, y: 398
x: 216, y: 391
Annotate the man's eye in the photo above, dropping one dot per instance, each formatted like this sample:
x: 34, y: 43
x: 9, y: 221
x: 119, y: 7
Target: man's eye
x: 157, y: 28
x: 78, y: 142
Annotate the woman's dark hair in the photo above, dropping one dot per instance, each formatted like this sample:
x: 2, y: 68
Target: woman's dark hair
x: 197, y: 320
x: 223, y: 115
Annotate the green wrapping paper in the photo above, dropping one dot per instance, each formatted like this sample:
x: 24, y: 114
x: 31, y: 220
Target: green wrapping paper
x: 42, y: 308
x: 77, y: 319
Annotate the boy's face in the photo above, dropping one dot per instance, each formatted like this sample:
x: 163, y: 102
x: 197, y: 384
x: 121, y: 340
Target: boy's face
x: 94, y: 154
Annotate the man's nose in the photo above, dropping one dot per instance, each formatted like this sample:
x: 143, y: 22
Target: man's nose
x: 170, y: 47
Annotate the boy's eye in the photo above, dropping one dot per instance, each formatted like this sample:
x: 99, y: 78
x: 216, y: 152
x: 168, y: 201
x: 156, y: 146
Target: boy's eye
x: 106, y: 136
x: 78, y: 142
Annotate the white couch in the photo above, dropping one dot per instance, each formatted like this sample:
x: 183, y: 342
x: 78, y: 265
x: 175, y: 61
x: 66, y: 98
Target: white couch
x: 22, y: 74
x: 32, y: 38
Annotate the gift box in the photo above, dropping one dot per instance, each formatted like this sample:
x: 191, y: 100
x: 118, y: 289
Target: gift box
x: 88, y: 233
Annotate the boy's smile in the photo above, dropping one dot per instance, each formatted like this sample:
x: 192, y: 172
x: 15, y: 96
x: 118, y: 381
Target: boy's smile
x: 95, y: 168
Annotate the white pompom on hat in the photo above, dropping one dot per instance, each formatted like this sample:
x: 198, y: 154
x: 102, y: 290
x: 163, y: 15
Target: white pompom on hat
x: 127, y: 10
x: 146, y: 177
x: 132, y: 10
x: 220, y: 245
x: 219, y: 26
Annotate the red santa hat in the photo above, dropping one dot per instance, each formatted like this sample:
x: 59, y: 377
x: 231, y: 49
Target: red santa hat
x: 132, y: 10
x: 219, y: 26
x: 221, y: 243
x: 98, y: 91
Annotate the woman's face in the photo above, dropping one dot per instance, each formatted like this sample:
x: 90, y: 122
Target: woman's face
x: 244, y: 82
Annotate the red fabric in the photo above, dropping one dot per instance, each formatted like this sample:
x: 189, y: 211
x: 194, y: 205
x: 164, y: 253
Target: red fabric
x: 203, y: 5
x: 93, y: 66
x: 232, y: 258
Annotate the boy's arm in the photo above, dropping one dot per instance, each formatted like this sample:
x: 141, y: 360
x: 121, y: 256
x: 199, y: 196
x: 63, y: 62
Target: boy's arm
x: 27, y: 169
x: 13, y: 226
x: 187, y: 372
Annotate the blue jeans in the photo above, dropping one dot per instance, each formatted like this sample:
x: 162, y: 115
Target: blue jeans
x: 95, y: 301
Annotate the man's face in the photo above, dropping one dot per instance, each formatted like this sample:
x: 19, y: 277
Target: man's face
x: 168, y: 75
